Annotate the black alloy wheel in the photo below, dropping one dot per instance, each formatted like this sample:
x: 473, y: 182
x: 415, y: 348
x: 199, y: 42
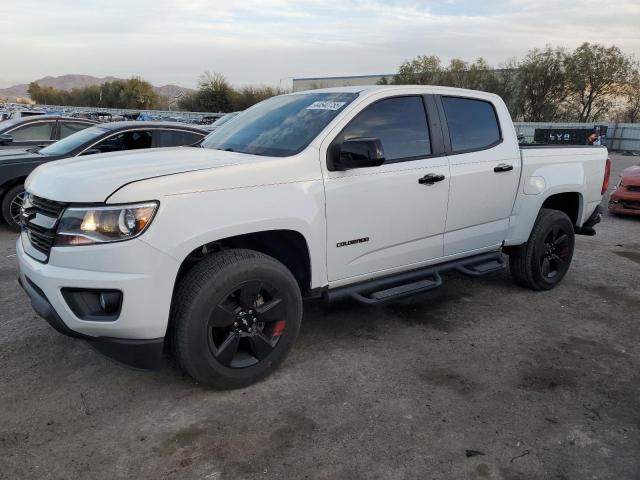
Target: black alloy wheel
x: 555, y: 253
x: 247, y: 325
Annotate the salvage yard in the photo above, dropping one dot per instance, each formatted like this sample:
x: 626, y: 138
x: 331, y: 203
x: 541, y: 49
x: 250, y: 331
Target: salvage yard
x: 479, y: 379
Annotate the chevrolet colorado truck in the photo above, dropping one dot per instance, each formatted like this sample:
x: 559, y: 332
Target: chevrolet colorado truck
x: 368, y: 193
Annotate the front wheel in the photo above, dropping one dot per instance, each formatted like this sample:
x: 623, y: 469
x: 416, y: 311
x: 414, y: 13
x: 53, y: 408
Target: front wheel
x: 12, y: 205
x: 542, y: 262
x: 235, y: 318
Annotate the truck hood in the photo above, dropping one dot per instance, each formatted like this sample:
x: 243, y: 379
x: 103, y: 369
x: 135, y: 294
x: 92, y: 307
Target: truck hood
x: 94, y: 178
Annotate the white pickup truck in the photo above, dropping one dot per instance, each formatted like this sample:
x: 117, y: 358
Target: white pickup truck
x: 369, y: 193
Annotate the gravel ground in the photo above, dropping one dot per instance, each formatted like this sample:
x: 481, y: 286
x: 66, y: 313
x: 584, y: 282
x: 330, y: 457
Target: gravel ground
x: 539, y: 384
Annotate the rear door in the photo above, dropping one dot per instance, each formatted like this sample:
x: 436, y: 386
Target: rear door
x: 383, y: 218
x: 485, y: 172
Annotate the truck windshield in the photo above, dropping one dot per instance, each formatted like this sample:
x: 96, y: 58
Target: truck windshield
x: 280, y: 126
x: 70, y: 143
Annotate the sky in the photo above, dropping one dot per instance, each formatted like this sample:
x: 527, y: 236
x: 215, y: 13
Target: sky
x: 271, y: 41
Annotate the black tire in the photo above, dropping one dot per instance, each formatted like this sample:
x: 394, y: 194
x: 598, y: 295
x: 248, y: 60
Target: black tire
x: 542, y: 262
x: 208, y: 303
x: 11, y: 203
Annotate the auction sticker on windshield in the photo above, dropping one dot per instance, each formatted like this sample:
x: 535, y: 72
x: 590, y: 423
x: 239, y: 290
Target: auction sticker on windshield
x: 326, y: 105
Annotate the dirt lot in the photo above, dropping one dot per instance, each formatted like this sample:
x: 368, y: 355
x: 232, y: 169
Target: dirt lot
x: 544, y: 385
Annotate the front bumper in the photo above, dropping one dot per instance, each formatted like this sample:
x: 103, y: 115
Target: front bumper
x: 624, y: 202
x: 143, y: 274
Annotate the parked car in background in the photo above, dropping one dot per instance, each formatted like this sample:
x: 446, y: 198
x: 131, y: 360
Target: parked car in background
x: 97, y: 116
x: 16, y: 164
x: 209, y: 119
x: 221, y: 121
x: 625, y: 199
x: 367, y: 193
x: 26, y: 113
x: 39, y: 130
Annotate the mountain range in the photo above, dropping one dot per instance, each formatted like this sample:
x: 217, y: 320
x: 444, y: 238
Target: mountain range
x: 67, y: 82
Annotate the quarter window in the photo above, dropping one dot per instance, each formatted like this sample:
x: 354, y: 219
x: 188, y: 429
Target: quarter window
x: 34, y: 132
x: 176, y: 138
x: 473, y: 124
x: 400, y: 123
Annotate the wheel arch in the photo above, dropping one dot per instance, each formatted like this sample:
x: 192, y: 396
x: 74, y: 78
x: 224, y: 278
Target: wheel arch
x: 9, y: 184
x: 571, y: 203
x: 287, y: 246
x: 567, y: 200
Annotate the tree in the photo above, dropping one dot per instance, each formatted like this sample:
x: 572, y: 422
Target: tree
x: 250, y: 95
x: 595, y: 75
x: 542, y: 82
x: 133, y: 93
x: 422, y: 70
x: 630, y: 112
x: 506, y: 82
x: 214, y: 94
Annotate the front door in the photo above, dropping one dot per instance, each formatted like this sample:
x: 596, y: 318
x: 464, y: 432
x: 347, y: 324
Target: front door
x: 385, y: 218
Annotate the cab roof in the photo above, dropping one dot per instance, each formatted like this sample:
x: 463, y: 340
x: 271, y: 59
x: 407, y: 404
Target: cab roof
x: 370, y: 89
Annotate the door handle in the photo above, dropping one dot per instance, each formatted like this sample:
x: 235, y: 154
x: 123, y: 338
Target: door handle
x: 430, y: 179
x: 503, y: 167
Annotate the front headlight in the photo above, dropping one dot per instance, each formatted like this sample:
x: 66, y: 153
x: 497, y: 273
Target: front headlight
x: 90, y: 225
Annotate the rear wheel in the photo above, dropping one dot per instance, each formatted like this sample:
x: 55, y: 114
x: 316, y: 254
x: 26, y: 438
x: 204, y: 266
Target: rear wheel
x: 543, y: 261
x: 236, y: 316
x: 12, y: 205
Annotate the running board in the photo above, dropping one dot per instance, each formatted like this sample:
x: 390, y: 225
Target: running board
x: 402, y: 285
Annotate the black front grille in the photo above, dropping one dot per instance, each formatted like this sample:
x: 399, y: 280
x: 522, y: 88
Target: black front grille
x: 48, y: 207
x: 634, y: 188
x: 40, y: 220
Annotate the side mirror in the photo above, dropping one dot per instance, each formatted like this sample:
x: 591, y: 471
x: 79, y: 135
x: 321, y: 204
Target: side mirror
x: 5, y: 139
x: 358, y: 153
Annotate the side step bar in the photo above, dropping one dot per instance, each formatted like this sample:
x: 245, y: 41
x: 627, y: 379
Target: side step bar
x: 406, y: 284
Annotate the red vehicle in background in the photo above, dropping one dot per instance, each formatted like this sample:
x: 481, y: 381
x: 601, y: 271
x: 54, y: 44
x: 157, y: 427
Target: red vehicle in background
x: 625, y: 199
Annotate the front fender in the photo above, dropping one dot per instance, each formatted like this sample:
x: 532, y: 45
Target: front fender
x: 187, y: 221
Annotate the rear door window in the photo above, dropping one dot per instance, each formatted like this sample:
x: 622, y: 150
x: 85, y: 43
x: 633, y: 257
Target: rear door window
x: 175, y: 138
x: 125, y: 141
x: 473, y: 124
x: 399, y: 122
x: 69, y: 128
